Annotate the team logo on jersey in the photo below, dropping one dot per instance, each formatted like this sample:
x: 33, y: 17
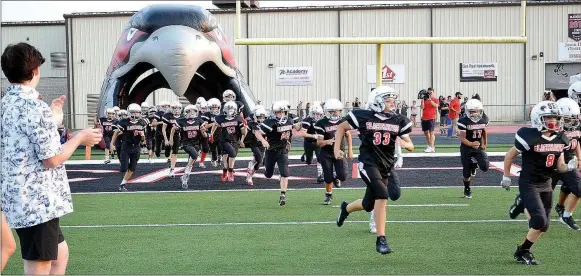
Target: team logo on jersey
x: 549, y: 147
x: 477, y: 126
x: 331, y: 128
x: 382, y: 126
x: 284, y: 128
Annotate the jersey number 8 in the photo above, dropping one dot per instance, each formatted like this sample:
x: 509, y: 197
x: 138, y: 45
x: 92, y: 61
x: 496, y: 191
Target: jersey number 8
x: 377, y: 138
x: 285, y: 135
x: 550, y: 160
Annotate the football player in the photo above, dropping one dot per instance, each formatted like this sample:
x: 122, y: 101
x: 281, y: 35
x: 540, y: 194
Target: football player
x: 230, y: 96
x: 310, y: 141
x: 252, y: 142
x: 379, y: 129
x: 202, y: 106
x: 131, y: 132
x: 232, y: 134
x: 171, y: 146
x: 121, y: 114
x: 541, y: 147
x: 278, y: 132
x: 108, y: 127
x: 214, y: 106
x: 150, y: 132
x: 325, y: 129
x: 189, y: 127
x: 473, y: 142
x: 158, y: 124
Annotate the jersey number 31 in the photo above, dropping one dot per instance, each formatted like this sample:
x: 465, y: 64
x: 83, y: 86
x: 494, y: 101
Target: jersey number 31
x: 377, y: 136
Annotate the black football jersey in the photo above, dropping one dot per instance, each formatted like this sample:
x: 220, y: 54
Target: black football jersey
x: 209, y: 118
x: 190, y: 130
x: 327, y: 128
x: 474, y: 131
x: 131, y: 130
x: 230, y: 129
x: 539, y: 155
x: 108, y: 126
x: 150, y: 130
x: 293, y: 118
x: 170, y: 120
x: 378, y: 132
x: 574, y: 138
x: 309, y: 124
x: 159, y: 118
x: 277, y: 135
x: 250, y: 141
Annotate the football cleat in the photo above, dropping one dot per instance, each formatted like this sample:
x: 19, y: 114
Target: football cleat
x: 122, y: 188
x: 107, y: 161
x: 517, y: 208
x: 224, y: 176
x: 231, y: 176
x: 559, y: 209
x: 343, y: 214
x: 171, y: 174
x: 328, y: 199
x: 467, y: 193
x: 524, y: 256
x: 303, y: 158
x: 282, y: 200
x: 382, y: 247
x: 201, y: 165
x: 320, y: 178
x: 337, y: 183
x: 214, y: 164
x: 570, y: 222
x: 150, y: 160
x: 184, y: 179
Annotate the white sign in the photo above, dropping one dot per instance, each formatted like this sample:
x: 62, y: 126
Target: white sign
x: 391, y: 73
x: 473, y: 72
x: 291, y: 76
x: 570, y: 51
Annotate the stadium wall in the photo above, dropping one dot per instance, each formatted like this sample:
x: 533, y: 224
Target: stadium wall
x: 340, y: 71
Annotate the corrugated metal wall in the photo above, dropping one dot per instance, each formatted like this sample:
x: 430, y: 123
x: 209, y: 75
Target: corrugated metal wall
x: 47, y: 39
x: 546, y: 27
x: 385, y: 23
x: 323, y: 58
x: 480, y: 22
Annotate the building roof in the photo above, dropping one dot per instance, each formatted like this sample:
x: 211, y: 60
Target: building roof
x: 352, y: 7
x: 33, y: 23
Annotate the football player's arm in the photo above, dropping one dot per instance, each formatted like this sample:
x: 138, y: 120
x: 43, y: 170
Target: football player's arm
x: 203, y: 129
x: 214, y: 127
x: 163, y: 131
x: 563, y: 167
x: 403, y: 137
x: 244, y: 132
x: 171, y: 134
x: 114, y: 138
x: 349, y: 144
x: 259, y: 137
x: 339, y: 134
x: 484, y: 139
x: 321, y: 142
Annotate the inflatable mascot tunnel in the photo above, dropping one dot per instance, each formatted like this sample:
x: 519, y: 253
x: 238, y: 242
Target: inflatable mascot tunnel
x: 188, y: 49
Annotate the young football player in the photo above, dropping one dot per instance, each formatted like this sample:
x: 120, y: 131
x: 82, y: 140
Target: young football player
x: 232, y: 134
x: 310, y: 141
x: 108, y: 127
x: 252, y: 142
x: 541, y: 147
x: 202, y: 106
x: 379, y: 129
x: 150, y: 133
x: 171, y: 146
x: 121, y: 114
x: 158, y: 124
x: 473, y: 141
x: 131, y: 132
x: 325, y: 129
x: 278, y: 132
x: 230, y: 96
x: 214, y: 106
x: 189, y: 127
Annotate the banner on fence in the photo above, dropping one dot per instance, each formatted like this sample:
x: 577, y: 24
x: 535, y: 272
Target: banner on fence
x: 294, y: 76
x: 472, y: 72
x: 570, y: 51
x: 390, y: 73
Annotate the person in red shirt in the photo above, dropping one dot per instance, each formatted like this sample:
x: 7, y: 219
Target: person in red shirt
x: 429, y: 113
x: 455, y: 113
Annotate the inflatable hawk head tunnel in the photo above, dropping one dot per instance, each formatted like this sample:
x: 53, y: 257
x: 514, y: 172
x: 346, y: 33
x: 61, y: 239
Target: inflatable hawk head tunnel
x: 187, y: 50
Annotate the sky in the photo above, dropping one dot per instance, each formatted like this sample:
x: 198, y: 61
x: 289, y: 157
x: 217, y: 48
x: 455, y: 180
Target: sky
x: 54, y: 10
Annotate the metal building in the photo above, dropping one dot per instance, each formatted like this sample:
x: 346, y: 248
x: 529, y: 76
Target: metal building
x: 49, y: 38
x: 341, y: 71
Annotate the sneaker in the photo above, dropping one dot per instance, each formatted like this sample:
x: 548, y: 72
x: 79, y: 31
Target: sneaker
x: 282, y: 200
x: 185, y: 178
x: 382, y: 247
x: 201, y: 165
x: 570, y: 222
x: 372, y: 228
x: 337, y: 183
x: 224, y: 176
x: 560, y: 210
x: 517, y: 208
x: 524, y: 256
x: 428, y: 149
x: 122, y: 188
x: 320, y: 178
x: 467, y: 193
x: 231, y: 176
x: 328, y: 198
x: 171, y: 173
x: 343, y: 214
x: 214, y: 164
x: 107, y: 161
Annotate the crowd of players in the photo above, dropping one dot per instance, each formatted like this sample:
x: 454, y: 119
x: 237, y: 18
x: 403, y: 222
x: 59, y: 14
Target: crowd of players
x: 549, y: 149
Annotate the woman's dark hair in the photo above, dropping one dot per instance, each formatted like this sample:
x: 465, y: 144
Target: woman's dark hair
x: 19, y: 61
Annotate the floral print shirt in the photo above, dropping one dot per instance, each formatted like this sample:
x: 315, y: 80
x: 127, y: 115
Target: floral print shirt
x: 31, y: 193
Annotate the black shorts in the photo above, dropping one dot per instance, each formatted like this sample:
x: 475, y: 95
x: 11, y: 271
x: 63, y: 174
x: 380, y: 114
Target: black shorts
x: 40, y: 242
x: 229, y: 148
x: 107, y: 141
x: 466, y: 155
x: 173, y: 149
x: 331, y: 165
x: 428, y: 125
x: 375, y: 179
x: 129, y: 157
x: 538, y: 202
x: 149, y: 141
x: 276, y: 157
x: 191, y: 149
x: 310, y: 148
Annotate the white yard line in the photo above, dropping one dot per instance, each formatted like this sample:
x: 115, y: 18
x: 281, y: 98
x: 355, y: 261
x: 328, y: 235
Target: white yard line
x: 283, y: 223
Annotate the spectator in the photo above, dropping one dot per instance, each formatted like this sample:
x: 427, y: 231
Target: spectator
x: 455, y: 113
x: 404, y: 109
x: 300, y: 110
x: 308, y: 109
x: 356, y: 104
x: 414, y: 113
x: 443, y: 108
x: 429, y: 109
x: 35, y: 189
x: 462, y: 105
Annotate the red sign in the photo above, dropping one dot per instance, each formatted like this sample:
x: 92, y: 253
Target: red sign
x: 387, y: 74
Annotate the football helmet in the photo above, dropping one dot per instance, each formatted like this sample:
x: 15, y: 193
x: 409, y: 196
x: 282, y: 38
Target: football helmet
x: 570, y: 111
x: 134, y: 111
x: 542, y: 112
x: 474, y: 110
x: 333, y: 109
